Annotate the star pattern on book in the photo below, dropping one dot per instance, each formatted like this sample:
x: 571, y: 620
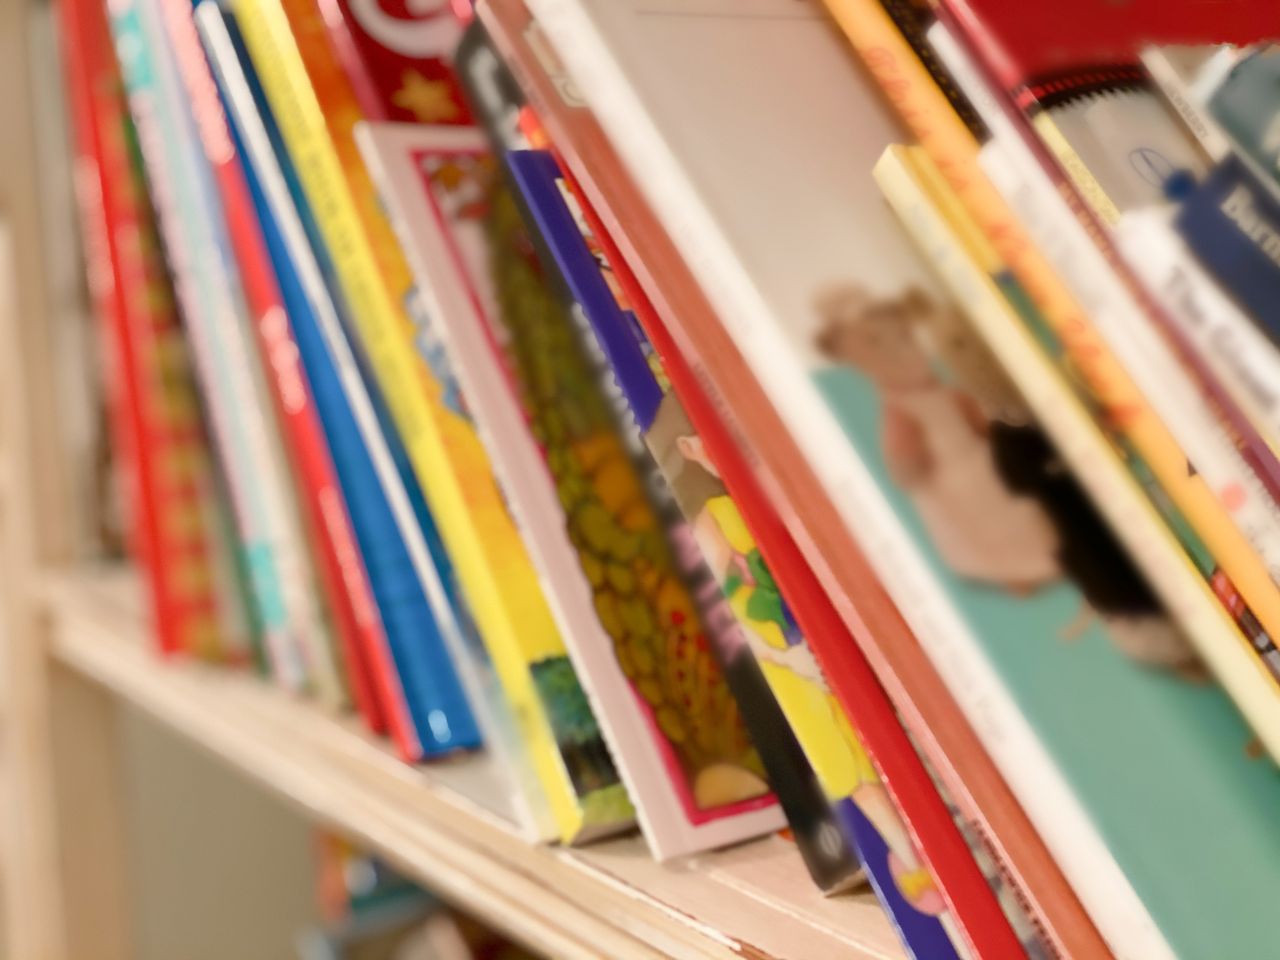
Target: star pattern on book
x: 430, y: 101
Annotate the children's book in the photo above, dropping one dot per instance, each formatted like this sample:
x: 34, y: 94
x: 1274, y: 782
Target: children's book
x: 633, y: 631
x: 341, y: 575
x: 216, y: 321
x: 158, y: 426
x: 867, y: 364
x: 768, y: 664
x: 315, y: 108
x: 412, y: 667
x: 834, y: 602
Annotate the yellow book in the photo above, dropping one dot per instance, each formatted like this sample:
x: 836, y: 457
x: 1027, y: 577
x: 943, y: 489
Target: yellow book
x: 316, y: 110
x: 954, y: 150
x: 967, y: 263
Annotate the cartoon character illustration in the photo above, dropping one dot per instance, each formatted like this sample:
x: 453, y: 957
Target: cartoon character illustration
x: 937, y: 354
x: 936, y: 444
x: 732, y: 553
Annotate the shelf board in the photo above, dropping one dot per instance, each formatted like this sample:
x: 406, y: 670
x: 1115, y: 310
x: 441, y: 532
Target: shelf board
x: 440, y: 824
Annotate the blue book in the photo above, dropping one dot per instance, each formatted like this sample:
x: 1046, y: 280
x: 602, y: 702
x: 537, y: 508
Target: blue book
x: 429, y: 712
x: 1232, y: 224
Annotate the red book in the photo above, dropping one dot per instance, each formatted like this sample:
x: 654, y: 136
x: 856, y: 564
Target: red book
x: 852, y: 625
x: 398, y: 55
x: 341, y: 568
x: 156, y: 417
x: 1029, y: 43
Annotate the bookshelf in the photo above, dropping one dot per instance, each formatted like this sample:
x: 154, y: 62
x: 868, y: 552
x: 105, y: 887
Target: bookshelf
x: 74, y: 653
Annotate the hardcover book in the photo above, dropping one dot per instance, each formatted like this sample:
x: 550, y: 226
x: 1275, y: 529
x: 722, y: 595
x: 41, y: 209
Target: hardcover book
x: 397, y: 56
x: 865, y: 362
x: 1163, y: 421
x: 837, y: 600
x: 632, y: 629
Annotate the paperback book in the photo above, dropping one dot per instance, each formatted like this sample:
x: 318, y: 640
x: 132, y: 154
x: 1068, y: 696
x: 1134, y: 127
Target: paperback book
x: 159, y: 428
x: 633, y: 631
x: 769, y: 666
x: 340, y: 573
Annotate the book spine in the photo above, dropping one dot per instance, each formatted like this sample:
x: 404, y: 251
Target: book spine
x: 158, y: 427
x: 210, y: 322
x: 417, y: 614
x: 498, y: 581
x: 1241, y: 356
x: 1232, y: 224
x: 342, y: 575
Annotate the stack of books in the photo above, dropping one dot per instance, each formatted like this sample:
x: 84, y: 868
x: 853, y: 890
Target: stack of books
x: 731, y: 415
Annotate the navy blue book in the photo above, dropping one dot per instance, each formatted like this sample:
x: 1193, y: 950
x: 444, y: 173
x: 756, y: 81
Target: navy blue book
x: 428, y: 710
x: 1232, y: 224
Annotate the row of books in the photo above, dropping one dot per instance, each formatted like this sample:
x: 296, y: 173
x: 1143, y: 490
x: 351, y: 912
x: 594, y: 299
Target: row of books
x: 730, y: 414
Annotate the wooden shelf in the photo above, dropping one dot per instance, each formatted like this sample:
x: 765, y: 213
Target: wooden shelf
x: 442, y: 825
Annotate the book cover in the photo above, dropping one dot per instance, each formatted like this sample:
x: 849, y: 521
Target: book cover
x: 316, y: 110
x: 839, y: 602
x: 158, y: 429
x: 211, y: 317
x: 632, y: 630
x: 341, y: 575
x: 768, y: 665
x: 842, y: 326
x: 1053, y: 402
x: 413, y: 670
